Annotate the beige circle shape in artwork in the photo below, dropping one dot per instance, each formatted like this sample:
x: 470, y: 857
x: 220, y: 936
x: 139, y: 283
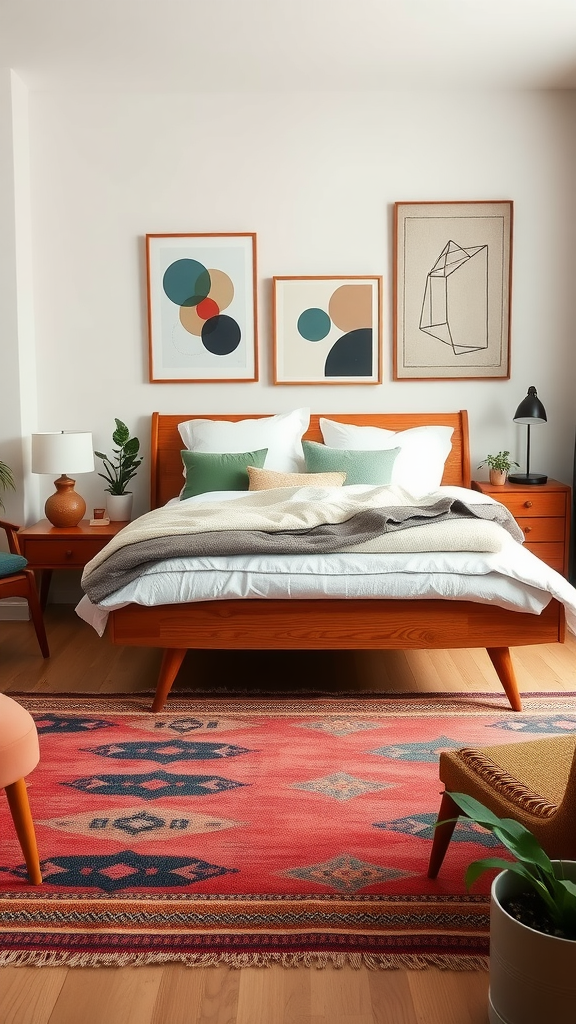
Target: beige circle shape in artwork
x: 190, y: 320
x: 350, y: 307
x: 221, y: 288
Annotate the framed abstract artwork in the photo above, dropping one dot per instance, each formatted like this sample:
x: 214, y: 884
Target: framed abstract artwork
x: 327, y: 330
x: 202, y: 321
x: 452, y: 285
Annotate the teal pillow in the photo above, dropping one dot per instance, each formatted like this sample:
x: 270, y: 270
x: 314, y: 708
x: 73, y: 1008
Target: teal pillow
x: 360, y: 467
x: 207, y: 471
x: 11, y: 564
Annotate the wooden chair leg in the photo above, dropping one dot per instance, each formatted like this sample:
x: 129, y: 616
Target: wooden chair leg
x: 500, y: 658
x: 22, y: 818
x: 442, y: 834
x: 36, y: 613
x: 171, y: 662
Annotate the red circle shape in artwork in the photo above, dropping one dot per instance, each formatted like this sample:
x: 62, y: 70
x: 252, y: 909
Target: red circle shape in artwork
x: 207, y: 308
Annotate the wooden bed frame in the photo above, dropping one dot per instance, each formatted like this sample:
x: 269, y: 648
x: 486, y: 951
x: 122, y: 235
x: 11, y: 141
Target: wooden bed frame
x: 326, y: 624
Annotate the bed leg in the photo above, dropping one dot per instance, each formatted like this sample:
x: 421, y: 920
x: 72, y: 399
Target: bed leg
x: 171, y: 661
x: 500, y: 658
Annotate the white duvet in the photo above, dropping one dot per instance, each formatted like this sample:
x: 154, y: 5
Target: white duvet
x: 511, y: 577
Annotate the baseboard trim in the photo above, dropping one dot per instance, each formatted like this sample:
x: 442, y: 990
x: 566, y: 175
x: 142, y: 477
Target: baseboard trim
x: 14, y: 609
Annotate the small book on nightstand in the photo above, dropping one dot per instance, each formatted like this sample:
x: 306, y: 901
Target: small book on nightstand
x: 100, y: 522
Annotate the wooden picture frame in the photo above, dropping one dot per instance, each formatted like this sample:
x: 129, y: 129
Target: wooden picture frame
x: 202, y: 315
x: 327, y: 330
x: 452, y: 290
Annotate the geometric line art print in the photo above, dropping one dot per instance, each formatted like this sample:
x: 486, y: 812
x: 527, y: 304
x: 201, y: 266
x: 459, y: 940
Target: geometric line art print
x: 455, y: 302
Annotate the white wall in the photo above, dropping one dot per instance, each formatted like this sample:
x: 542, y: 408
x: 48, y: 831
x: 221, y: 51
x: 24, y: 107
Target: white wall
x: 316, y: 176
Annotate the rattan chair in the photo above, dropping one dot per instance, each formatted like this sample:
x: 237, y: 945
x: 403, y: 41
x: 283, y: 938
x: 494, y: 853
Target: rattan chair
x: 533, y: 782
x: 16, y: 580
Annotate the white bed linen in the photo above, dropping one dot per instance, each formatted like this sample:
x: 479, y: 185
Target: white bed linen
x: 511, y: 578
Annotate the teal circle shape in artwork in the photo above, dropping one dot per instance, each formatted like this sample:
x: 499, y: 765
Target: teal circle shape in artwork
x: 186, y: 282
x: 314, y: 324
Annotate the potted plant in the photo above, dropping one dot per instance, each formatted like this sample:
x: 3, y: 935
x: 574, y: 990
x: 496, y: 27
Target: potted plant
x: 499, y: 466
x: 6, y: 480
x: 119, y: 471
x: 532, y: 925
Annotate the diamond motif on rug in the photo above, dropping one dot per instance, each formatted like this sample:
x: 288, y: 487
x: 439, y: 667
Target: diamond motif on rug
x: 153, y: 785
x: 341, y: 786
x: 422, y: 825
x: 429, y: 750
x: 550, y: 725
x: 125, y: 870
x: 138, y: 823
x: 181, y: 725
x: 339, y: 726
x: 347, y: 874
x: 70, y: 723
x: 167, y: 751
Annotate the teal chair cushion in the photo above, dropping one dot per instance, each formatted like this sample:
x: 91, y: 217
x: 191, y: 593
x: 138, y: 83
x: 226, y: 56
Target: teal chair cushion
x: 11, y: 564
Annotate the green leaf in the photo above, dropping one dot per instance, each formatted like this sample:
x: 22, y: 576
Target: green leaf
x: 478, y: 867
x: 121, y: 434
x: 132, y: 446
x: 475, y: 810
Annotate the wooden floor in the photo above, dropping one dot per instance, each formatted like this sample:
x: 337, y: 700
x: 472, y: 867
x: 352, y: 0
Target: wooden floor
x: 83, y: 662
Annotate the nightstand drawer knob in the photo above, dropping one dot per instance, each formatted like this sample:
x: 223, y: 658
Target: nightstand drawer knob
x: 68, y: 553
x: 527, y: 504
x: 527, y: 529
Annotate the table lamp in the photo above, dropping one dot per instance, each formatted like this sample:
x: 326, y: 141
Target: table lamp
x: 529, y: 411
x: 67, y: 451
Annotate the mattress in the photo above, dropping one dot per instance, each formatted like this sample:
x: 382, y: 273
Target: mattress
x: 511, y: 578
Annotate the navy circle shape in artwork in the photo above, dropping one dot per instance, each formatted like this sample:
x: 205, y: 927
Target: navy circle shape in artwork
x: 221, y: 335
x: 351, y: 355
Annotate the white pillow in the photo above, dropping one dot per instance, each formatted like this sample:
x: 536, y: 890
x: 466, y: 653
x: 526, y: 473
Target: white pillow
x: 420, y: 462
x: 281, y: 435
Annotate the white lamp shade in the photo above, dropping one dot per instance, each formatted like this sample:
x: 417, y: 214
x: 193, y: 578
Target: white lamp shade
x: 66, y: 451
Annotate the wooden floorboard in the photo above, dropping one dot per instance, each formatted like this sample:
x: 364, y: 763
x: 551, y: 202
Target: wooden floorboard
x: 82, y: 662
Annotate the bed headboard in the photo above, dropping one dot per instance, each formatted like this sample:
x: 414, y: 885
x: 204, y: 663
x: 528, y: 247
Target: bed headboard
x: 166, y: 443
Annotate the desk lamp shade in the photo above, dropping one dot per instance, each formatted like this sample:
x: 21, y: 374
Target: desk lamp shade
x: 67, y: 451
x: 529, y: 411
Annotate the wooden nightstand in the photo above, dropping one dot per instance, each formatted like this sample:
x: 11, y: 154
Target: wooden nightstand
x: 49, y: 547
x: 542, y: 512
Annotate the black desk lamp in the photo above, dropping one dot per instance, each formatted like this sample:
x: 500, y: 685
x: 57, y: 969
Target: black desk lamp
x: 529, y: 411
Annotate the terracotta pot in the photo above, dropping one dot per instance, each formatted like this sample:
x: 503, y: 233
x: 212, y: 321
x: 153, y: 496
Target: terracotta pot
x: 498, y: 476
x: 532, y: 975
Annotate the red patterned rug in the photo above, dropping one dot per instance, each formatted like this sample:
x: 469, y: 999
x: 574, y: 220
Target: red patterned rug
x: 247, y: 831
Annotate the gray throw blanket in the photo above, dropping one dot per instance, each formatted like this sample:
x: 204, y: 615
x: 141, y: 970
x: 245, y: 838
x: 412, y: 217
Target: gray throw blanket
x: 126, y: 562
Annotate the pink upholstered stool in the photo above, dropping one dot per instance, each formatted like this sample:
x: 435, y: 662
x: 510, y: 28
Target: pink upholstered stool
x: 19, y: 754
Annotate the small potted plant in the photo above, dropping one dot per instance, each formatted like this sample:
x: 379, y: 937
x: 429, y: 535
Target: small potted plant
x: 6, y: 480
x: 499, y: 466
x: 119, y: 471
x: 532, y: 925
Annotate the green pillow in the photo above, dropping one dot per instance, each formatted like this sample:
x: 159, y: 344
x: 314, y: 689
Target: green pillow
x: 360, y: 467
x: 11, y: 564
x: 206, y: 471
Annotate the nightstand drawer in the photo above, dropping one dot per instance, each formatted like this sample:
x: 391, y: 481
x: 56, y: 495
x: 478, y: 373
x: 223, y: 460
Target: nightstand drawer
x: 55, y: 554
x: 552, y: 554
x: 549, y: 503
x: 537, y: 530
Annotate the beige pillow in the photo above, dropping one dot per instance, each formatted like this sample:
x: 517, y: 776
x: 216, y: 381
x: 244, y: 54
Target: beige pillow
x: 265, y: 479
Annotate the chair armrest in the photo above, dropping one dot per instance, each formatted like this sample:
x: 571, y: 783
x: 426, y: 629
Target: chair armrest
x: 11, y: 531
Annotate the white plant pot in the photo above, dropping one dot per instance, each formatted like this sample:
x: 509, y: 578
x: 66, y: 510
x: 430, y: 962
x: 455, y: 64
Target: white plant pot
x: 119, y: 507
x: 532, y: 975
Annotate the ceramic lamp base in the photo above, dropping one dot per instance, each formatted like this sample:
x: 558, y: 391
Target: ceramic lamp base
x: 65, y: 508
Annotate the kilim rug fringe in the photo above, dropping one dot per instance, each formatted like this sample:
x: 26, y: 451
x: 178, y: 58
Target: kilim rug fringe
x: 237, y: 961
